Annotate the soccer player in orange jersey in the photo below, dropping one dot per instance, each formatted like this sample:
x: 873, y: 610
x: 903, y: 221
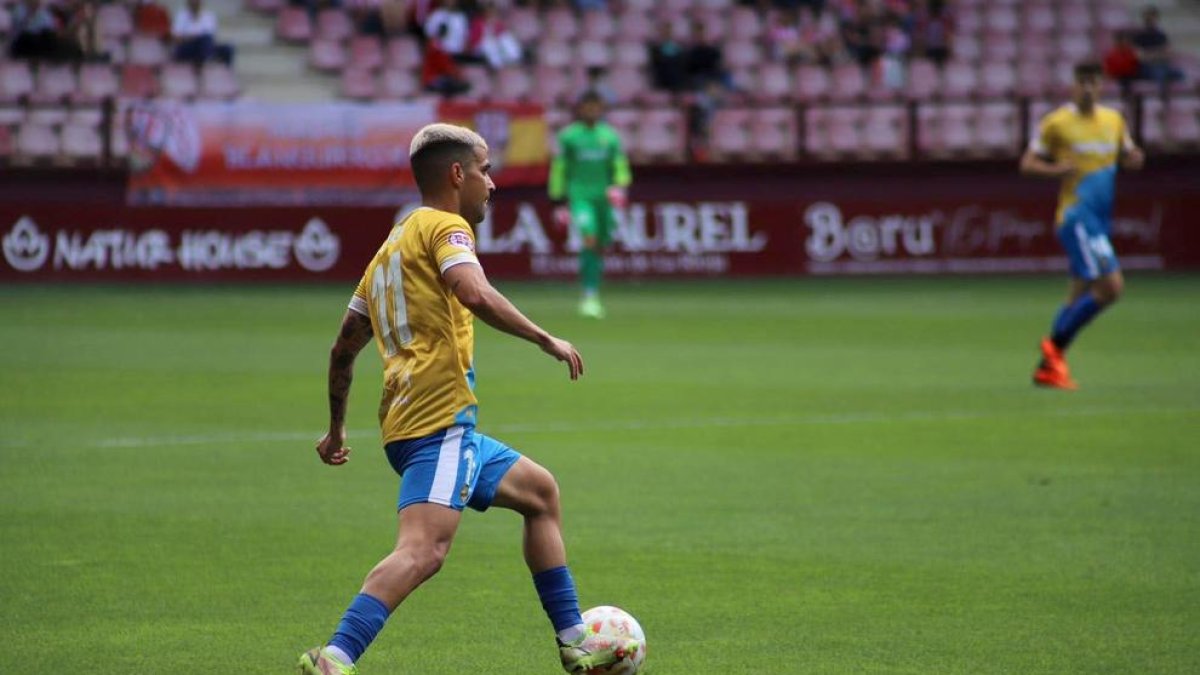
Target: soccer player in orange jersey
x: 417, y: 300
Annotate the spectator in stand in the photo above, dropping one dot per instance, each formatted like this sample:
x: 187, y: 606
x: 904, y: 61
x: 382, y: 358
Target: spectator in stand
x: 786, y: 33
x: 491, y: 38
x: 1154, y: 53
x: 820, y: 27
x: 591, y: 5
x: 896, y: 47
x: 932, y: 29
x: 668, y: 60
x: 597, y: 82
x: 705, y: 61
x: 440, y: 73
x: 149, y: 18
x: 453, y: 28
x: 78, y: 35
x: 1121, y: 62
x: 862, y: 32
x: 37, y: 32
x: 195, y: 32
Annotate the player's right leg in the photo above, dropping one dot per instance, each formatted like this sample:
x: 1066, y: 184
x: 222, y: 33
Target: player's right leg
x: 430, y: 510
x: 585, y: 219
x: 531, y: 490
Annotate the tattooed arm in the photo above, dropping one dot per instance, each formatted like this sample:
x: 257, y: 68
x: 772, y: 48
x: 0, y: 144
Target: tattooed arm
x: 354, y: 335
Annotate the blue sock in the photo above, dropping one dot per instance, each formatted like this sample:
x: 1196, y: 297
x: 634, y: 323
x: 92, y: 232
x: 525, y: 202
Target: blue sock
x: 360, y: 624
x: 556, y: 589
x: 1072, y: 318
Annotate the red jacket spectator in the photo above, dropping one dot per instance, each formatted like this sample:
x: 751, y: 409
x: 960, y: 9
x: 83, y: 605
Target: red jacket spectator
x: 1121, y: 61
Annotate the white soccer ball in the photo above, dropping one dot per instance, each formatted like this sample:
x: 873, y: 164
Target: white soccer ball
x: 617, y: 623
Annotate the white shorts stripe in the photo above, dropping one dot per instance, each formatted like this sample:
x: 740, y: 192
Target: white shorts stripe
x: 1085, y: 250
x: 445, y: 476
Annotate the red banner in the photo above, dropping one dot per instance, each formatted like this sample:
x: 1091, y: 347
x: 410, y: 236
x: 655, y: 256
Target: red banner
x: 245, y: 153
x: 700, y: 238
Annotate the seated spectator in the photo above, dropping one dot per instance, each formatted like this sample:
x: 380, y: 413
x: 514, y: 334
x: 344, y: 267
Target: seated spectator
x: 1121, y: 62
x: 450, y: 23
x: 38, y: 33
x: 78, y: 34
x: 820, y: 28
x: 896, y: 46
x: 862, y: 31
x: 668, y: 60
x: 705, y: 61
x: 491, y: 39
x: 1154, y: 53
x: 149, y: 18
x: 932, y: 28
x: 787, y: 36
x: 195, y: 32
x: 440, y: 72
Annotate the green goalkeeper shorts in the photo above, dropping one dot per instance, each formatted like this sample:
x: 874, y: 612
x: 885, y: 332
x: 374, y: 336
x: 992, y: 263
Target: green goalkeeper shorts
x: 593, y: 218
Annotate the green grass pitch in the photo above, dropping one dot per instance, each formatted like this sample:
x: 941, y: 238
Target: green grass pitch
x: 842, y: 476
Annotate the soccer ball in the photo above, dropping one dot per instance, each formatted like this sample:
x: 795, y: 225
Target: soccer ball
x: 616, y: 622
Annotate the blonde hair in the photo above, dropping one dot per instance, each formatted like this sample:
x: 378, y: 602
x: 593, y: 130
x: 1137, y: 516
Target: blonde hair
x: 437, y: 133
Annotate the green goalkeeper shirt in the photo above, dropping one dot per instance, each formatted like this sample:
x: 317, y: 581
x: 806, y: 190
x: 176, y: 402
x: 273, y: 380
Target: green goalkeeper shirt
x: 589, y: 161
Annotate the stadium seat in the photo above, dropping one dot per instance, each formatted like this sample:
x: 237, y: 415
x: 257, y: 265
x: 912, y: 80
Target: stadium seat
x: 635, y: 26
x: 138, y: 81
x: 16, y: 81
x: 113, y: 21
x: 1075, y: 18
x: 219, y: 82
x: 554, y: 86
x: 774, y: 134
x: 627, y: 52
x: 266, y: 6
x: 624, y: 120
x: 773, y: 83
x: 1075, y: 47
x: 593, y: 53
x: 481, y: 80
x: 996, y: 128
x: 48, y: 115
x: 662, y: 136
x: 366, y: 51
x: 924, y: 81
x: 628, y: 84
x: 560, y: 25
x: 326, y: 55
x: 959, y: 80
x: 998, y: 79
x: 849, y: 82
x: 97, y: 81
x: 55, y: 84
x: 1038, y: 18
x: 179, y: 81
x: 598, y: 26
x: 293, y: 25
x: 742, y: 54
x: 812, y: 83
x: 1112, y: 18
x: 968, y: 48
x: 999, y: 47
x: 333, y: 24
x: 884, y: 131
x: 555, y: 54
x: 37, y: 142
x: 5, y: 27
x: 1001, y: 19
x: 146, y: 51
x: 398, y: 84
x: 525, y: 25
x: 716, y: 27
x: 404, y: 53
x: 745, y: 24
x: 85, y: 116
x: 968, y: 23
x: 513, y: 83
x: 358, y: 83
x: 1033, y: 79
x: 81, y: 142
x: 729, y: 134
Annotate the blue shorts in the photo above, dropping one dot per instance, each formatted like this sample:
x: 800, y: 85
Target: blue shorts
x: 1084, y: 235
x: 456, y: 467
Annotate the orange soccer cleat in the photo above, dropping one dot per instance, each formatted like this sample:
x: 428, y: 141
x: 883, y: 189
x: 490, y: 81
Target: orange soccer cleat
x: 1053, y: 371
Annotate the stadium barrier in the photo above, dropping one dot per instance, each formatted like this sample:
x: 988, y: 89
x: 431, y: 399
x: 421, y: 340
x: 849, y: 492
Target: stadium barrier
x: 738, y: 221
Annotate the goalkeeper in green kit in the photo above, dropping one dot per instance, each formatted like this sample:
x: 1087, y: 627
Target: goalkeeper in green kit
x: 588, y: 179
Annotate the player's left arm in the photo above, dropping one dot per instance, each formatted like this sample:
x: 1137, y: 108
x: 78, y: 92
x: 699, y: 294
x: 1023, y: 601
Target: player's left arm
x: 1132, y: 158
x: 354, y: 334
x: 618, y: 194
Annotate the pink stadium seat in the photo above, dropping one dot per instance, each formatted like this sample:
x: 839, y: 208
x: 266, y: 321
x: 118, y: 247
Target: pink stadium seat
x: 923, y: 79
x: 398, y: 84
x: 81, y: 142
x: 716, y: 27
x: 358, y: 83
x: 661, y: 135
x: 554, y: 87
x: 5, y: 23
x: 55, y: 84
x: 999, y: 47
x: 178, y: 81
x: 11, y: 116
x: 293, y: 25
x: 812, y: 83
x: 635, y: 26
x: 1038, y: 18
x: 366, y: 51
x: 326, y: 55
x: 742, y: 54
x: 745, y: 24
x: 593, y: 53
x: 525, y: 25
x: 1033, y: 78
x: 996, y: 128
x: 554, y: 54
x: 218, y: 82
x: 146, y: 51
x: 513, y: 84
x: 674, y: 7
x: 1039, y: 47
x: 998, y: 79
x: 333, y: 24
x: 481, y: 81
x: 1075, y: 47
x: 50, y: 116
x: 968, y: 22
x: 968, y: 47
x: 97, y: 81
x: 1075, y: 18
x: 774, y: 83
x: 627, y: 84
x: 773, y: 133
x: 598, y: 26
x: 883, y: 132
x: 89, y: 116
x: 266, y: 6
x: 628, y: 52
x: 561, y: 25
x: 16, y: 81
x: 37, y: 141
x: 138, y: 81
x: 729, y: 134
x: 1111, y: 18
x: 624, y: 120
x: 642, y: 6
x: 849, y: 82
x: 113, y: 21
x: 959, y: 80
x: 1001, y: 19
x: 403, y: 53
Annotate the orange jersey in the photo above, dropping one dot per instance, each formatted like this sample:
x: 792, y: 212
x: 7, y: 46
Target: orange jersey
x: 424, y: 334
